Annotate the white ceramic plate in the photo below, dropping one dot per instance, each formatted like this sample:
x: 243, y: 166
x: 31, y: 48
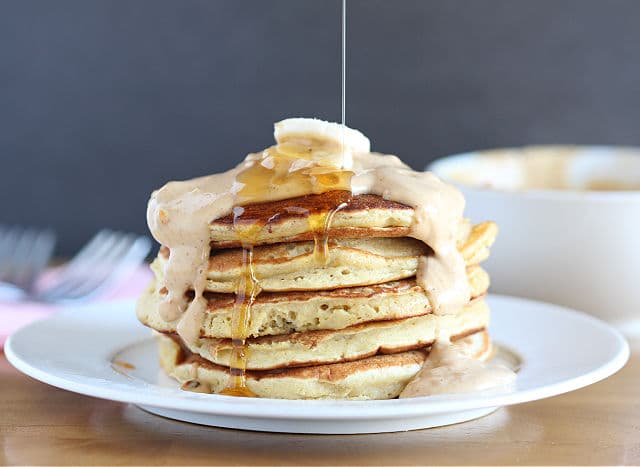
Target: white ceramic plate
x: 558, y: 350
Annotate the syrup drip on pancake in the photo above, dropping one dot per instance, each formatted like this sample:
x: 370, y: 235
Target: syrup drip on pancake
x: 320, y: 223
x: 247, y: 289
x: 292, y: 165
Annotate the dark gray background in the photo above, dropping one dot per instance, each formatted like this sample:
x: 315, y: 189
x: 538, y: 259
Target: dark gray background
x: 103, y: 100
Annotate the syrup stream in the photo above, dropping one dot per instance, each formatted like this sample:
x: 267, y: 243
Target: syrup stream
x: 260, y: 181
x: 248, y: 286
x: 344, y: 68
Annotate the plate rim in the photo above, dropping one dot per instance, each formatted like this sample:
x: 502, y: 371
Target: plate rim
x: 303, y: 409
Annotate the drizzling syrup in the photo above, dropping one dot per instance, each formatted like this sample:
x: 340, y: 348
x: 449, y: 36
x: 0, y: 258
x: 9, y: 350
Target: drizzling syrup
x: 299, y: 165
x: 294, y: 165
x: 283, y: 167
x: 320, y: 224
x: 247, y: 288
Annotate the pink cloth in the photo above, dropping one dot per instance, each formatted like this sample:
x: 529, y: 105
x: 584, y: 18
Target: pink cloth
x: 14, y: 315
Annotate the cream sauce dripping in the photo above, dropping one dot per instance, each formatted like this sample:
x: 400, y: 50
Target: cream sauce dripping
x: 452, y: 368
x: 178, y: 216
x: 438, y: 215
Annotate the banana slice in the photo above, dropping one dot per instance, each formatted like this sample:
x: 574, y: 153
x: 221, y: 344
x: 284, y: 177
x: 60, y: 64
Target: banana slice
x: 347, y: 140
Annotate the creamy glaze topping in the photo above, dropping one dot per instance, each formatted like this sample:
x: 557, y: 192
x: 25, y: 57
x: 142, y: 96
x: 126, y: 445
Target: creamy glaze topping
x: 302, y: 162
x: 438, y: 214
x: 452, y: 368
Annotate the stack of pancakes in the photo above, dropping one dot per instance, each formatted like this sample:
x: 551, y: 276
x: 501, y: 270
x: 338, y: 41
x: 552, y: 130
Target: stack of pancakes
x: 355, y: 327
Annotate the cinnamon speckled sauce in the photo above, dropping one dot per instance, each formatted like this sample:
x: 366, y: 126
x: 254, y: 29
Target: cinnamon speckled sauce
x: 314, y: 158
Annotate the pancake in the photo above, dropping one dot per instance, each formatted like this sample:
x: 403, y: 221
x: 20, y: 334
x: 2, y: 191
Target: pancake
x: 352, y: 343
x: 288, y: 220
x: 352, y: 262
x: 292, y: 266
x: 475, y: 247
x: 284, y: 313
x: 377, y: 377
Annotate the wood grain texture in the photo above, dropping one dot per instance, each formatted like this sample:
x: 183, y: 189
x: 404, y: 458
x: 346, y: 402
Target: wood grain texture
x: 593, y: 426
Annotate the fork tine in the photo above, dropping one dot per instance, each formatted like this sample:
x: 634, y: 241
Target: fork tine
x: 20, y: 256
x: 8, y: 238
x: 3, y: 247
x: 77, y: 268
x: 23, y: 255
x: 8, y: 245
x: 38, y: 258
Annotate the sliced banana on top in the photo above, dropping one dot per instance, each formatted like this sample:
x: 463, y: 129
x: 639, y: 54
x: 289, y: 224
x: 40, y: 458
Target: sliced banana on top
x: 346, y: 140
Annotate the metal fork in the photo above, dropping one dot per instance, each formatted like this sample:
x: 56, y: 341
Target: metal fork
x: 108, y: 257
x: 24, y: 253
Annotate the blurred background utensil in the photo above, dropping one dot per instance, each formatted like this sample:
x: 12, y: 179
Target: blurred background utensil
x: 108, y: 258
x: 24, y: 253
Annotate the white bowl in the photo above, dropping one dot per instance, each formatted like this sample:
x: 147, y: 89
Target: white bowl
x: 566, y: 244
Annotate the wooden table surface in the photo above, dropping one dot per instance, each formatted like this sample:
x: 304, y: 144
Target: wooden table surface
x: 596, y: 425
